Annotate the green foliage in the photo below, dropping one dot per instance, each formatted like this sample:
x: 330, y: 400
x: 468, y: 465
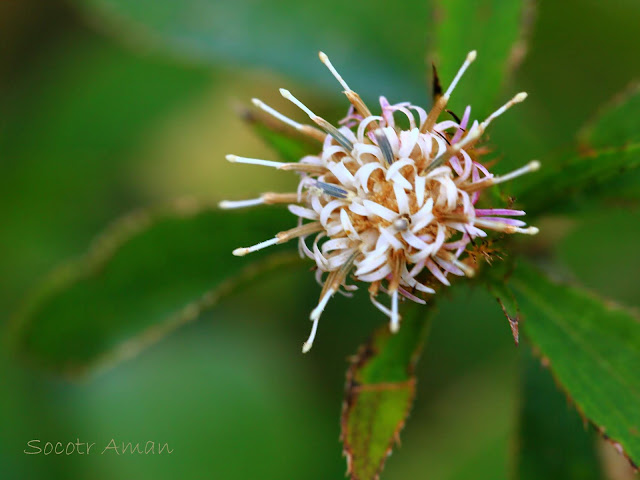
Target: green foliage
x: 66, y: 144
x: 496, y: 29
x: 146, y: 276
x: 507, y: 301
x: 577, y: 181
x: 379, y: 393
x: 71, y: 133
x: 553, y: 441
x: 604, y: 170
x: 616, y: 125
x: 593, y: 351
x: 283, y: 34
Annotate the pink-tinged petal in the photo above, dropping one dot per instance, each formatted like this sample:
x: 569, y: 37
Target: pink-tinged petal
x: 445, y: 125
x: 482, y: 168
x: 463, y: 125
x: 433, y: 268
x: 468, y: 165
x: 486, y: 212
x: 422, y: 114
x: 455, y: 164
x: 475, y: 175
x: 411, y: 296
x: 412, y: 119
x: 377, y: 275
x: 364, y: 124
x: 352, y: 119
x: 462, y: 243
x: 387, y: 112
x: 449, y: 267
x: 506, y: 221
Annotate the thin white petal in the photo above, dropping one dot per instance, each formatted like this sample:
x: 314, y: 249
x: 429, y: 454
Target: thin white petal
x: 303, y: 212
x: 382, y: 212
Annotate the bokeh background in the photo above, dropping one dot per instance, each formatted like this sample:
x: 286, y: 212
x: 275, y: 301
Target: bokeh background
x: 97, y: 119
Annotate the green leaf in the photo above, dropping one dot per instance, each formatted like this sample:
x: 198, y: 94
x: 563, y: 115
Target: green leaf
x: 375, y: 55
x: 379, y: 393
x: 497, y: 30
x: 146, y: 276
x: 68, y: 144
x: 286, y: 141
x: 576, y: 181
x: 553, y: 441
x: 617, y: 123
x: 507, y: 301
x: 593, y: 351
x: 601, y: 251
x: 605, y: 171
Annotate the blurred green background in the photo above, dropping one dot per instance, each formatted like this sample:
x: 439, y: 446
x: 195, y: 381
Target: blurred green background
x: 98, y: 119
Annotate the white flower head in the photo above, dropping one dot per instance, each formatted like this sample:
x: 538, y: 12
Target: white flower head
x: 389, y: 207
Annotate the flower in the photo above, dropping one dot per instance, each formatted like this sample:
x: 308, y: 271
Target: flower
x: 394, y: 208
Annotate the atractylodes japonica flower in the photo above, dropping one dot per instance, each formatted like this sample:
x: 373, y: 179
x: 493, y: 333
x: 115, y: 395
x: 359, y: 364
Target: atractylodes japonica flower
x: 392, y: 207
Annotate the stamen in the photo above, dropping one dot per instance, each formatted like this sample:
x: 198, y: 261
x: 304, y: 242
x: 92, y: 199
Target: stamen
x: 385, y: 146
x: 273, y: 198
x: 519, y: 98
x: 321, y: 122
x: 315, y: 314
x: 229, y: 204
x: 289, y: 96
x: 331, y: 286
x: 254, y: 161
x: 394, y: 325
x: 471, y: 56
x: 360, y: 106
x: 529, y: 167
x: 281, y: 237
x: 306, y: 346
x: 324, y: 59
x: 488, y: 182
x: 503, y: 227
x: 353, y: 97
x: 241, y: 252
x: 303, y: 167
x: 307, y: 129
x: 441, y: 102
x: 477, y: 132
x: 284, y: 119
x: 315, y: 317
x: 474, y: 134
x: 306, y: 229
x: 268, y: 198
